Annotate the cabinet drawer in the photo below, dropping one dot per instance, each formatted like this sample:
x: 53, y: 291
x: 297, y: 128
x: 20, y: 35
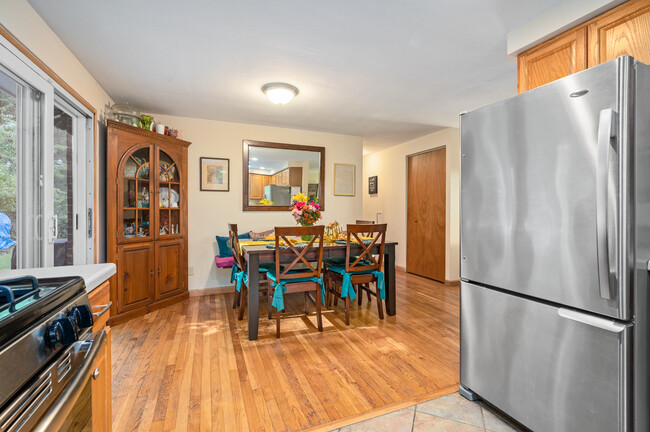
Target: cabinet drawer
x: 99, y: 301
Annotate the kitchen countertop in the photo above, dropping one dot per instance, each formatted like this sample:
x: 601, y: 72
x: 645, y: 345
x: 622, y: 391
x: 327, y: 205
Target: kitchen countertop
x: 93, y: 274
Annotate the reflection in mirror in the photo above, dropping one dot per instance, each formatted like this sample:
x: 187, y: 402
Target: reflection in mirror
x: 276, y: 172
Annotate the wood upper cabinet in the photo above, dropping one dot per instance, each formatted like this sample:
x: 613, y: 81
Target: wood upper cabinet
x: 255, y: 186
x: 624, y: 30
x: 146, y: 209
x: 552, y: 60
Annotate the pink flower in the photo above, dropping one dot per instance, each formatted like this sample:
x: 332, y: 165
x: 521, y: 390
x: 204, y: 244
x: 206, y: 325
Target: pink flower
x: 300, y: 205
x: 315, y: 206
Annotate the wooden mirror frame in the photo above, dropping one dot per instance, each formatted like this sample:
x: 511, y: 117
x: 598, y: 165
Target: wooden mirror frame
x: 245, y: 151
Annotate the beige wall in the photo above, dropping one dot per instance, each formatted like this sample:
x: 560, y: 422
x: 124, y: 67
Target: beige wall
x: 28, y: 27
x: 390, y: 167
x: 210, y: 212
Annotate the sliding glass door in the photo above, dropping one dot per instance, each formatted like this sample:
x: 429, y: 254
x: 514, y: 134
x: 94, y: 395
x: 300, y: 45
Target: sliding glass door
x: 45, y: 189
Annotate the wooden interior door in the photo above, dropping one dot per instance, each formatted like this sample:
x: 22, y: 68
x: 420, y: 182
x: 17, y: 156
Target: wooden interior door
x: 169, y: 263
x: 135, y: 269
x: 559, y: 57
x: 624, y: 30
x: 426, y: 215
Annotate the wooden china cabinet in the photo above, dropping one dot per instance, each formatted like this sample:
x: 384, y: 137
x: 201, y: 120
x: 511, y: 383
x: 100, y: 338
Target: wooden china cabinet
x: 146, y: 211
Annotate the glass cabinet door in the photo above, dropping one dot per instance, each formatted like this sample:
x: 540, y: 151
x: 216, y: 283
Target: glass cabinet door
x: 136, y: 189
x: 169, y: 196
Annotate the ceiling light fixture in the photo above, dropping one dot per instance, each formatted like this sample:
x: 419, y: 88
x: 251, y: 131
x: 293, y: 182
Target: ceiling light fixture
x: 279, y: 93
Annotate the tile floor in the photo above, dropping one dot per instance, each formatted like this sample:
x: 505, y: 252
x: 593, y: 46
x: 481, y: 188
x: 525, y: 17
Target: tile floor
x: 451, y: 413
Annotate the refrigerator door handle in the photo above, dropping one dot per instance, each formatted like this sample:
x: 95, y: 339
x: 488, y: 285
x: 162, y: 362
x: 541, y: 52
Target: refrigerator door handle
x: 591, y: 320
x: 606, y: 204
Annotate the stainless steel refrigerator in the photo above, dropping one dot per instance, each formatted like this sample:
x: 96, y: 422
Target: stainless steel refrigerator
x: 555, y: 243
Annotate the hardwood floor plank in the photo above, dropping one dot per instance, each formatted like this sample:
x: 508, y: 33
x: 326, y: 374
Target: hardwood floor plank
x: 191, y: 367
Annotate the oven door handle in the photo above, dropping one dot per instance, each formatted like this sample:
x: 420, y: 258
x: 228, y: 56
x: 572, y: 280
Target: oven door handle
x: 58, y: 412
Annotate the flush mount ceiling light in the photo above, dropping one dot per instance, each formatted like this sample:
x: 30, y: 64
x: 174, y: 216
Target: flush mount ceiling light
x: 279, y: 93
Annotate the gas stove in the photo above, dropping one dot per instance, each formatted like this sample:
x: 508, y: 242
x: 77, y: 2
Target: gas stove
x: 45, y: 338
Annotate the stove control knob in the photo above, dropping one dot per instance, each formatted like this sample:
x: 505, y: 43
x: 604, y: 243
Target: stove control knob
x: 62, y: 332
x: 82, y: 316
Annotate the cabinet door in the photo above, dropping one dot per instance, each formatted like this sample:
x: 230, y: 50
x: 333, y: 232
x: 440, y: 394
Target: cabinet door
x: 171, y: 195
x: 624, y: 30
x: 255, y: 186
x: 101, y: 388
x: 169, y: 269
x: 134, y: 190
x: 561, y: 56
x: 135, y: 281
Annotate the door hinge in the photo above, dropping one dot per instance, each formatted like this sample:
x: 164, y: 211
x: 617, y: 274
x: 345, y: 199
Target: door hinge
x: 36, y: 95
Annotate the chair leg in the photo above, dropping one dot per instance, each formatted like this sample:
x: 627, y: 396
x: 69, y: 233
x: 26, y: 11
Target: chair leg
x: 360, y: 296
x: 306, y: 303
x: 336, y: 297
x: 319, y: 318
x: 243, y: 299
x: 235, y: 301
x: 368, y: 292
x: 277, y: 323
x: 269, y: 301
x: 380, y: 306
x: 328, y: 294
x: 347, y: 310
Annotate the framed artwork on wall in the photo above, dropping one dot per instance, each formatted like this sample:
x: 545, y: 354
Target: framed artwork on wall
x: 372, y: 185
x: 344, y: 179
x: 215, y: 174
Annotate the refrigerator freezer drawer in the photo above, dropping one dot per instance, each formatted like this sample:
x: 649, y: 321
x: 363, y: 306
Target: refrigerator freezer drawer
x: 549, y: 368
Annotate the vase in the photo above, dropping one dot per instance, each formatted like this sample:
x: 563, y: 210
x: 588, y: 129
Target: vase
x: 307, y: 238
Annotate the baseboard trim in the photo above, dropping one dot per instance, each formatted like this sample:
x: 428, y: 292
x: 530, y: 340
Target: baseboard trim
x: 452, y: 282
x: 211, y: 291
x: 400, y: 268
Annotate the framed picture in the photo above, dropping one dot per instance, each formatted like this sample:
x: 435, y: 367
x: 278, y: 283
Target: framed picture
x: 215, y: 174
x: 344, y: 179
x: 372, y: 185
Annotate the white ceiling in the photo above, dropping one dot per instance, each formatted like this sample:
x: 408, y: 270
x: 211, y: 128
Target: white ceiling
x: 387, y: 70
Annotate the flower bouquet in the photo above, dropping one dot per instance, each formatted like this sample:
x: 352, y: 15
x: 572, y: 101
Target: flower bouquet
x: 305, y: 213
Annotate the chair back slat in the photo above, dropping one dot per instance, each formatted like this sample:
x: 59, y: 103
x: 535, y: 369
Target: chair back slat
x: 283, y: 233
x: 377, y: 232
x: 234, y: 245
x: 365, y: 222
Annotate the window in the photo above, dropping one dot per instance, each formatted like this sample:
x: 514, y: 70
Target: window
x: 45, y: 169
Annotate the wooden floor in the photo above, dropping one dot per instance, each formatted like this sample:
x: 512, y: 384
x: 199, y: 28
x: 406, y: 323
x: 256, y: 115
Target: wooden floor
x: 191, y: 367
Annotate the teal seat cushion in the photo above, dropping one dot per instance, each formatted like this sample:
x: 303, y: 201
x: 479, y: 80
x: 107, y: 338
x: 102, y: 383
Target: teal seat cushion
x: 340, y: 261
x: 280, y: 287
x: 346, y: 286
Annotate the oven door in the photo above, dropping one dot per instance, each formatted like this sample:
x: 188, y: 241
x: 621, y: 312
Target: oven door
x: 60, y: 399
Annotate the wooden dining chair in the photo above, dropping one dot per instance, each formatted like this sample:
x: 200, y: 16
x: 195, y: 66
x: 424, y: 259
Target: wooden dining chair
x: 365, y: 222
x: 359, y: 272
x: 241, y: 297
x: 367, y: 286
x: 301, y: 274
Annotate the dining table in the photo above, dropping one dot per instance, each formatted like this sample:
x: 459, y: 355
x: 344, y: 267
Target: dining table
x: 257, y: 254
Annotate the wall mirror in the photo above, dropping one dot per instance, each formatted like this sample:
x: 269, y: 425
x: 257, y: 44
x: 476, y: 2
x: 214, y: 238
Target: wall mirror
x: 274, y: 172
